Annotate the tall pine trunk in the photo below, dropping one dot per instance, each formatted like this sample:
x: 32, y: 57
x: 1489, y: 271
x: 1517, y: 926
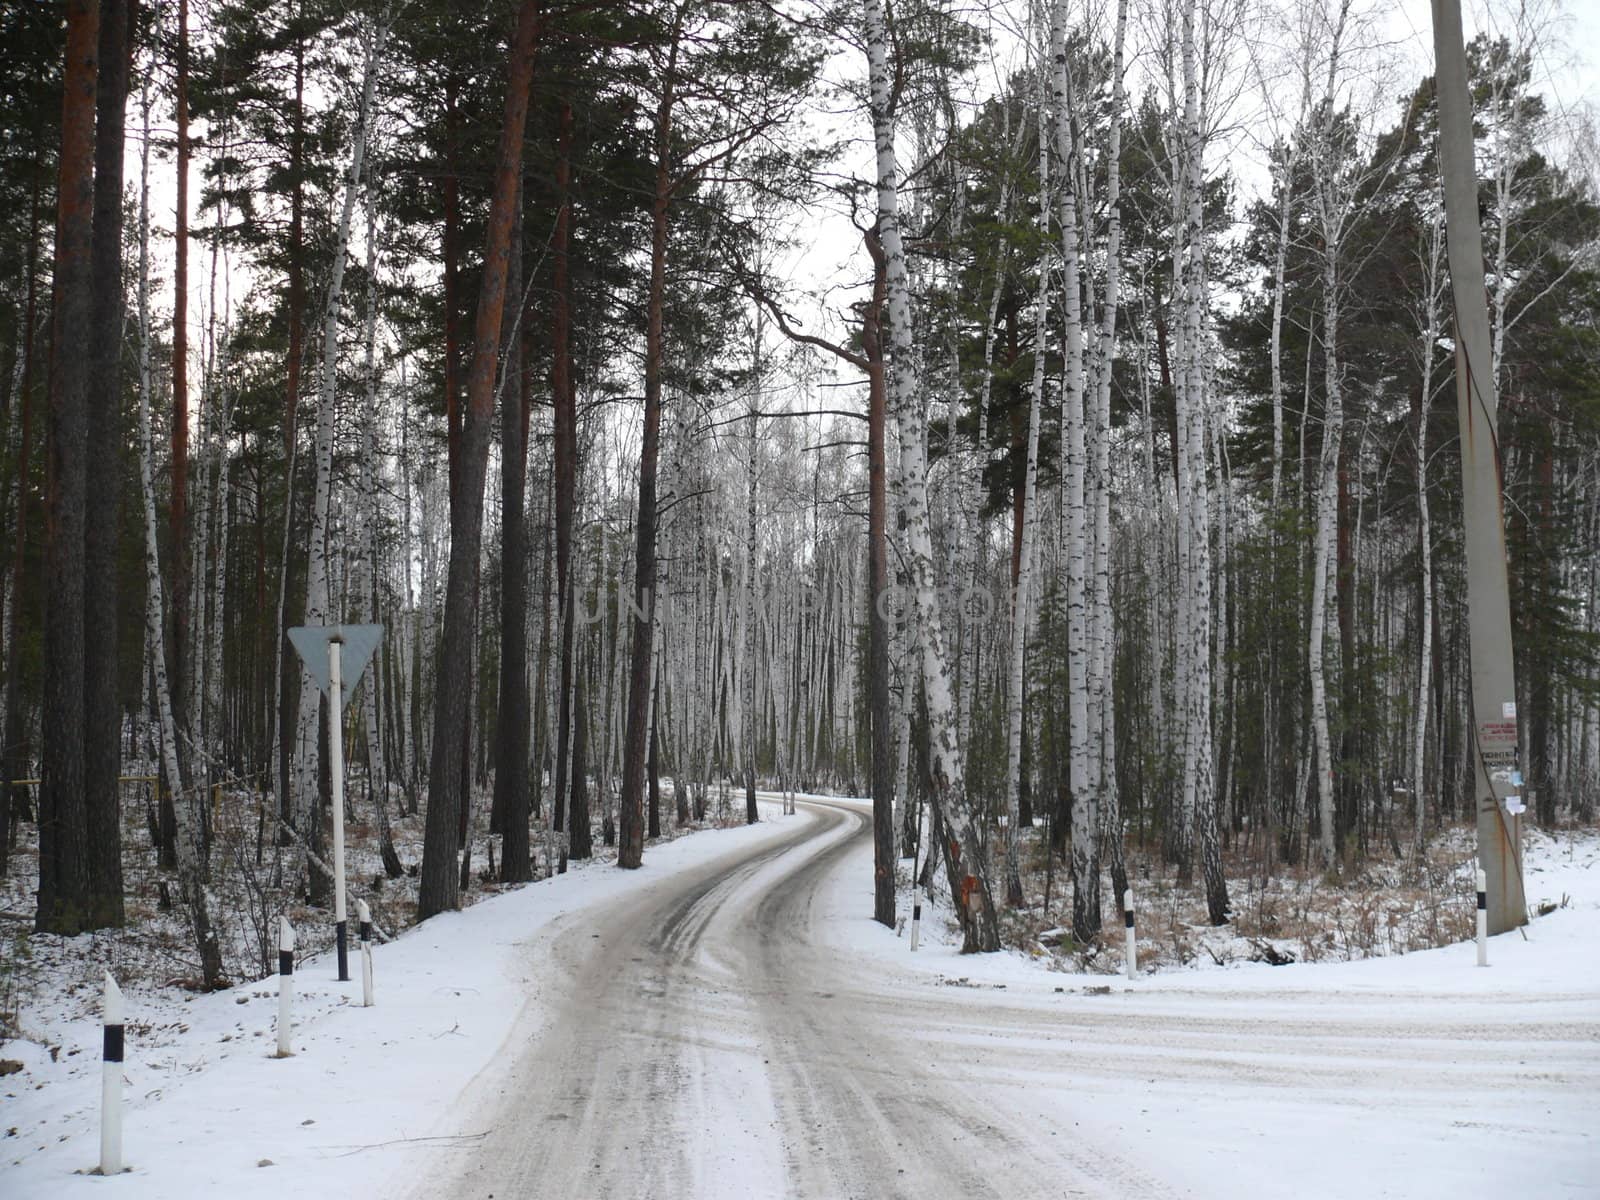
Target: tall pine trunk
x: 565, y: 452
x: 511, y: 730
x: 102, y: 714
x: 13, y: 752
x: 63, y: 898
x: 630, y: 832
x: 439, y: 885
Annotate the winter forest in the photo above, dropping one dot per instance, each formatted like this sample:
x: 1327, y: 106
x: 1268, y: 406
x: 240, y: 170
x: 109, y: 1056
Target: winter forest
x: 1038, y: 416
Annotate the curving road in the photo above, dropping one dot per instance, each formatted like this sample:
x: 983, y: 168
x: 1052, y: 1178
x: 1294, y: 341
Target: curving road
x: 714, y: 1035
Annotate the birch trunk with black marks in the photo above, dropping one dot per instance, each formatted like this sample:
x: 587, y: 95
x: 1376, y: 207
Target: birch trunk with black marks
x: 1102, y: 620
x: 1330, y: 208
x: 1080, y: 783
x: 965, y: 855
x: 367, y: 597
x: 883, y: 713
x: 1432, y: 304
x: 317, y: 606
x: 191, y: 883
x: 1030, y: 525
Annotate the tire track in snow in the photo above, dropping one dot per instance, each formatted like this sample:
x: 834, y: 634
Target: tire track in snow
x: 715, y: 1038
x: 872, y: 1106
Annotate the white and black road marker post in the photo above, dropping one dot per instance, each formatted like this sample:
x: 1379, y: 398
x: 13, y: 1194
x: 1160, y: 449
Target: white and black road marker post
x: 285, y: 985
x: 1130, y: 955
x: 364, y: 916
x: 1483, y: 919
x: 916, y: 891
x: 111, y: 1081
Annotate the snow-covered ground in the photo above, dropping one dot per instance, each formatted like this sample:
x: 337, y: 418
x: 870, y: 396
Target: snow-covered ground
x: 786, y: 1042
x: 1416, y: 1075
x: 1559, y: 952
x: 210, y: 1112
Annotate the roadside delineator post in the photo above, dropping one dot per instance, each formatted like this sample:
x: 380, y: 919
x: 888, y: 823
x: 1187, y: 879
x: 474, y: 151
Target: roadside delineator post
x: 1483, y: 918
x: 916, y: 891
x: 285, y: 985
x: 1130, y: 955
x: 111, y: 1080
x: 364, y: 931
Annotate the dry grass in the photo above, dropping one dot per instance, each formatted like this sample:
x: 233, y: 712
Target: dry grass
x: 248, y: 886
x: 1299, y: 914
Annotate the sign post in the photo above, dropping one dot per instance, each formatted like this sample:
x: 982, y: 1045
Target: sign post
x: 341, y: 924
x: 329, y: 653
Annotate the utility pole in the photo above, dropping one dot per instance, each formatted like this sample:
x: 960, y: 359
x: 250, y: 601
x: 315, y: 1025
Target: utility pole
x: 1497, y: 778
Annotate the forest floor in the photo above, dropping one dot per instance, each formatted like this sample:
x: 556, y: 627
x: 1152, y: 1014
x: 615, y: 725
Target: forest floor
x: 1301, y: 917
x: 1383, y: 906
x: 46, y: 980
x: 451, y: 977
x: 372, y: 1091
x: 1367, y: 1066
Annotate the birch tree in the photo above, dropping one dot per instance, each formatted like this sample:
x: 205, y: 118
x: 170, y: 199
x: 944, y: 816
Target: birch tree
x: 366, y: 588
x: 318, y: 602
x: 1080, y: 789
x: 1194, y: 520
x: 965, y: 855
x: 191, y: 881
x: 1102, y: 633
x: 1432, y: 303
x: 1023, y: 583
x: 1332, y: 206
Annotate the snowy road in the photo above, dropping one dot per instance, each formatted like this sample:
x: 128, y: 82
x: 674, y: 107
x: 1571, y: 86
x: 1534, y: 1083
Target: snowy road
x: 736, y: 1029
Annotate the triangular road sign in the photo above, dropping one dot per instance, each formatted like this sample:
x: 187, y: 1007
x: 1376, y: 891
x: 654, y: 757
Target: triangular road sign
x: 357, y: 643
